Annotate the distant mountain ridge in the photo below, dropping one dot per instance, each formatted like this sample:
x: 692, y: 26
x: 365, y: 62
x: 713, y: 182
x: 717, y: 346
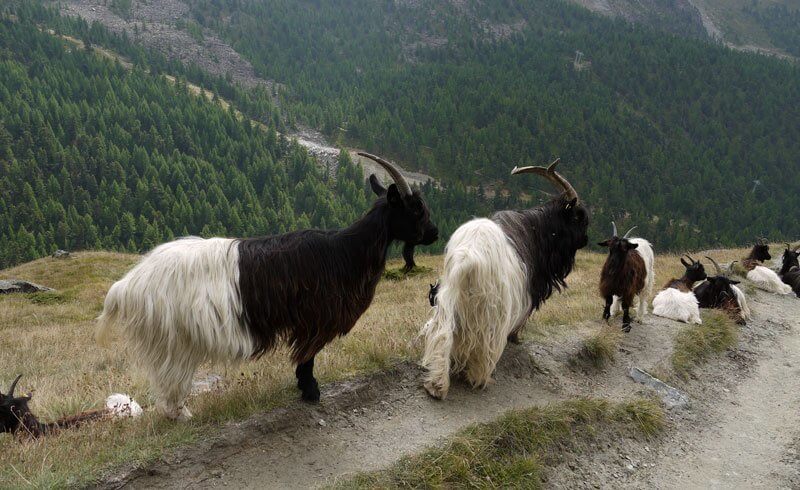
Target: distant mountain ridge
x: 770, y: 27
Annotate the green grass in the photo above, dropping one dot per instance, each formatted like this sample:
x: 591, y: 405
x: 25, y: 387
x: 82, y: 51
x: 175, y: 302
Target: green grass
x: 399, y: 273
x: 515, y: 450
x: 696, y: 343
x: 600, y: 349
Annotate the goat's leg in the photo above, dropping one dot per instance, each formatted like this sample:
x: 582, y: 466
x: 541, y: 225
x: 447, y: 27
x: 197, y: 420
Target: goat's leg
x: 481, y: 363
x: 306, y: 381
x: 626, y: 315
x: 641, y: 311
x: 616, y: 305
x: 408, y: 256
x: 172, y: 383
x: 607, y: 309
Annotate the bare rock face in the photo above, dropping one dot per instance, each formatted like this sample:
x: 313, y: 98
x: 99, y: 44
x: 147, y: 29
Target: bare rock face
x: 19, y: 286
x: 60, y: 254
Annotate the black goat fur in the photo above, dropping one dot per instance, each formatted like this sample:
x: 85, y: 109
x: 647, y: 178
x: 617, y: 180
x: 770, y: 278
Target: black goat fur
x: 308, y: 287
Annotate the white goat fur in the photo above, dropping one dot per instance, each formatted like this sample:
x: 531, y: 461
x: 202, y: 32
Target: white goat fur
x: 482, y: 299
x: 677, y: 305
x: 768, y: 280
x: 742, y: 300
x: 645, y: 250
x: 177, y: 308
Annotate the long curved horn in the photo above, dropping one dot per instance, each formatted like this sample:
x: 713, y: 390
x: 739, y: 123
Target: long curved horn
x: 716, y: 266
x: 402, y: 185
x: 614, y: 225
x: 690, y: 258
x: 13, y: 386
x: 629, y: 232
x: 550, y: 174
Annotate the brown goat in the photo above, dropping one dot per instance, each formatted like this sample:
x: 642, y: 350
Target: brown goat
x: 625, y: 274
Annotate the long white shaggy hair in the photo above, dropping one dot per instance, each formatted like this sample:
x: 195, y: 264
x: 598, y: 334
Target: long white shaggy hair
x: 482, y: 298
x: 177, y: 308
x: 768, y: 280
x: 677, y: 305
x: 645, y: 250
x: 742, y: 300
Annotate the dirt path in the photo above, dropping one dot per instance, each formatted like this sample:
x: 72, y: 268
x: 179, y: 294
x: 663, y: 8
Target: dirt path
x: 739, y: 430
x: 752, y: 428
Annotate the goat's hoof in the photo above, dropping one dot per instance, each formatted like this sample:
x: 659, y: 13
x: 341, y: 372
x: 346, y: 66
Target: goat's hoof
x: 626, y: 328
x: 181, y: 414
x: 311, y: 393
x: 311, y: 396
x: 184, y: 414
x: 435, y: 390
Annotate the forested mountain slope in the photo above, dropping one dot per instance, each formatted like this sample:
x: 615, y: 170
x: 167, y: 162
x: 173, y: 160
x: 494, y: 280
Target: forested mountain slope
x: 669, y: 131
x: 693, y: 142
x: 93, y: 155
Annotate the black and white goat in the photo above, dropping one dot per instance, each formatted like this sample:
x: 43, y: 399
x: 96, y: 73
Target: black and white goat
x: 627, y: 276
x: 761, y: 276
x: 16, y: 417
x: 722, y: 292
x: 677, y: 301
x: 790, y: 268
x: 195, y: 300
x: 496, y: 272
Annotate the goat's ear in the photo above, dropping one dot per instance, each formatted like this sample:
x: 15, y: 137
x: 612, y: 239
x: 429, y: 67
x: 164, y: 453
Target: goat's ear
x: 571, y: 204
x: 377, y: 188
x: 735, y: 282
x: 605, y: 243
x: 394, y: 197
x: 684, y: 263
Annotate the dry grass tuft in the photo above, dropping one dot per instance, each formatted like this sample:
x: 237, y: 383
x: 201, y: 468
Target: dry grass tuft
x: 512, y: 451
x: 696, y: 343
x: 600, y: 349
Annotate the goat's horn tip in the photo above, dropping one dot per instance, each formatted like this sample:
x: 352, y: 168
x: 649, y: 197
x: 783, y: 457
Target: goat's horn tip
x: 514, y: 170
x: 553, y: 165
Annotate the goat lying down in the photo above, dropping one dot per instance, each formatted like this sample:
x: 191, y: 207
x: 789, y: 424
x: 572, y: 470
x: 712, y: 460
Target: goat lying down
x: 723, y: 293
x: 677, y: 301
x: 790, y: 268
x: 16, y: 417
x: 496, y: 272
x: 762, y: 277
x: 195, y: 300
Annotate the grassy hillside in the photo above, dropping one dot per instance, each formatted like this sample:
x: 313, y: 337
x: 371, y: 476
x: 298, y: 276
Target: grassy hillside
x: 48, y: 338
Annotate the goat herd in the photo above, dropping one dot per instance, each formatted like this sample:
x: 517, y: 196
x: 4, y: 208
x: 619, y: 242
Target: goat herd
x: 195, y: 300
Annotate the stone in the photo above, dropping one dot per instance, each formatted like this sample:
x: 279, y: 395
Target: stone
x: 209, y: 383
x: 672, y: 397
x: 19, y: 286
x: 60, y: 254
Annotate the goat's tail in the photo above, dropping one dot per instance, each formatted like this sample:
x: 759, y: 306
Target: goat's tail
x: 108, y: 320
